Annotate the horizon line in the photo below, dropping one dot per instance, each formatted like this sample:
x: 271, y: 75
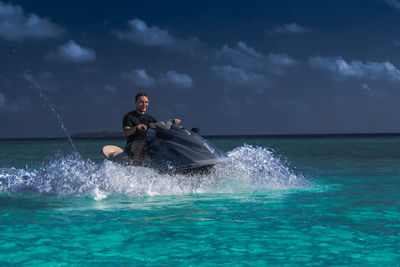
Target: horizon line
x: 218, y: 136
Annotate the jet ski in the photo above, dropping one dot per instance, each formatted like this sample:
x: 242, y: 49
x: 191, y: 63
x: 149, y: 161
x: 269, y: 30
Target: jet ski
x: 171, y: 148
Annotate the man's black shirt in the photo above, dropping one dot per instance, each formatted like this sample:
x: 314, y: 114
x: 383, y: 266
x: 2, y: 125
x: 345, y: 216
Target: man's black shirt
x: 134, y: 118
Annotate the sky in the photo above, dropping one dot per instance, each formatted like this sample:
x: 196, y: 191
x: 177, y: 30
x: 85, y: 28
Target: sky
x: 226, y: 67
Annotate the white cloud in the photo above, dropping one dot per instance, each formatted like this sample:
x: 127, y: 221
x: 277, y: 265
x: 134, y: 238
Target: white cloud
x: 2, y: 100
x: 243, y: 56
x: 139, y: 77
x: 358, y: 69
x: 73, y: 53
x: 393, y: 3
x: 292, y: 28
x: 179, y: 80
x: 172, y: 78
x: 6, y: 106
x: 281, y: 59
x: 140, y: 33
x: 247, y: 57
x: 234, y: 76
x: 242, y: 65
x: 16, y: 26
x: 110, y: 89
x: 366, y: 89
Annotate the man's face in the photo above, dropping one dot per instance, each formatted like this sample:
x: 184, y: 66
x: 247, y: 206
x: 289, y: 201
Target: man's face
x: 141, y: 104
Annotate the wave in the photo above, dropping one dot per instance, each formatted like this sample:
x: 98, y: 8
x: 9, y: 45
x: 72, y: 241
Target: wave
x: 248, y: 170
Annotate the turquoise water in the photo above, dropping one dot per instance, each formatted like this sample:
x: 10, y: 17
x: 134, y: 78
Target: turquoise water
x: 330, y: 201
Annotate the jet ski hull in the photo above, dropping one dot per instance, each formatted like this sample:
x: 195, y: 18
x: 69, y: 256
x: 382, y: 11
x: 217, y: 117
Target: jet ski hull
x: 172, y: 149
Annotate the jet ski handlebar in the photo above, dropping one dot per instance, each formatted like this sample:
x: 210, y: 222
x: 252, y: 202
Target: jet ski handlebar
x: 165, y: 125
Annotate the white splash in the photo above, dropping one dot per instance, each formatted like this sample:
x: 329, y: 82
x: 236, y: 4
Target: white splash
x: 248, y: 169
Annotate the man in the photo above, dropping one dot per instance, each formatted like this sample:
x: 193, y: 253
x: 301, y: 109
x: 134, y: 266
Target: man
x: 135, y: 125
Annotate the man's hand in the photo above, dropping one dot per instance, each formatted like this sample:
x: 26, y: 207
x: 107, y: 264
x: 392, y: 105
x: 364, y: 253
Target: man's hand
x: 176, y: 121
x: 142, y: 127
x: 131, y: 130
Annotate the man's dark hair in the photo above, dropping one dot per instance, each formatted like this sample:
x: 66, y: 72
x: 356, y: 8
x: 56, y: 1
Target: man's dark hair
x: 140, y: 94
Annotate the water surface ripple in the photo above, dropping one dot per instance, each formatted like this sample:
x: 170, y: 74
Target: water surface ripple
x: 275, y: 202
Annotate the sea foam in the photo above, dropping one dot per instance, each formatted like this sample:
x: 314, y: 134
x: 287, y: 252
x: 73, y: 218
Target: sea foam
x: 248, y: 170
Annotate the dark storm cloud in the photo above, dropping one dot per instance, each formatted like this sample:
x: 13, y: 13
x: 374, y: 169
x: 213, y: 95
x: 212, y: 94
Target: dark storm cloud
x: 292, y: 28
x: 16, y: 26
x: 72, y: 52
x: 340, y: 68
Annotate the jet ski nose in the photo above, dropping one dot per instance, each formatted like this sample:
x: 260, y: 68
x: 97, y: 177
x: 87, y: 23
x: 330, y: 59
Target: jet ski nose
x: 195, y: 130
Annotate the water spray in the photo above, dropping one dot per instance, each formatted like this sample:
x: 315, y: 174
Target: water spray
x: 29, y: 77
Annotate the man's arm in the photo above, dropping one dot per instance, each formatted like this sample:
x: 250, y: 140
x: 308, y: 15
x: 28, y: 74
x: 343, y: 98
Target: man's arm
x: 128, y: 127
x: 127, y: 130
x: 175, y: 121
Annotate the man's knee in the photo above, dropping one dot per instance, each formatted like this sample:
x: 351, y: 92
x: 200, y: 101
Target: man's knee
x: 136, y: 148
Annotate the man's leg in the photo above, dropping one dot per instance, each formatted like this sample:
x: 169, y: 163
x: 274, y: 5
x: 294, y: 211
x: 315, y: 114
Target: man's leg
x: 136, y: 150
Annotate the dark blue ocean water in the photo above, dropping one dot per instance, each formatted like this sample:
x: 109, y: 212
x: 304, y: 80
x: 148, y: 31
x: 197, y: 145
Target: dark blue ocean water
x: 326, y: 201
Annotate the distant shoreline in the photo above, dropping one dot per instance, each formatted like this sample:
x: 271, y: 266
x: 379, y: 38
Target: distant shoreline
x: 119, y: 136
